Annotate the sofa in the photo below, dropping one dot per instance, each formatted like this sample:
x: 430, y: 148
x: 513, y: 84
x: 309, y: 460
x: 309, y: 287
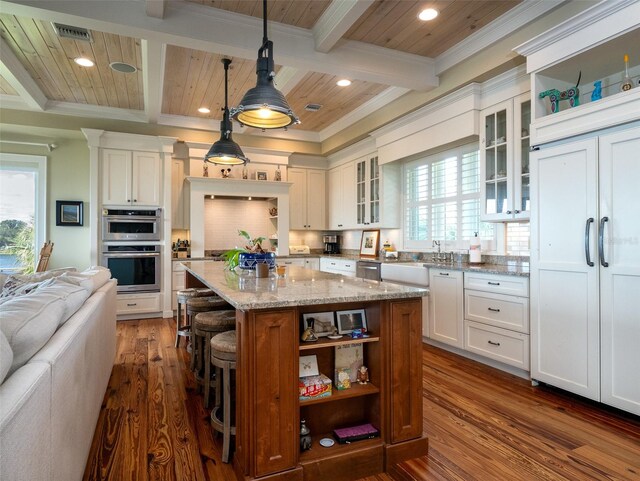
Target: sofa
x: 57, y: 349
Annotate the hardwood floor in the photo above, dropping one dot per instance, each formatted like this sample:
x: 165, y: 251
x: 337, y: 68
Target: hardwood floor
x: 482, y: 424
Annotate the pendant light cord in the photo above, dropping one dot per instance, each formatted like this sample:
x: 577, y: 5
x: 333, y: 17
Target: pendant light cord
x: 264, y: 22
x: 225, y: 116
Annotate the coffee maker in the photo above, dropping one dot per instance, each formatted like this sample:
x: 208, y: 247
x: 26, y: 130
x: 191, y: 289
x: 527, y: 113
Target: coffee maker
x: 331, y: 244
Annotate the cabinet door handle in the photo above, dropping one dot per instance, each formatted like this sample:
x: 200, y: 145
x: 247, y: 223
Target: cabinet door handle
x: 493, y: 283
x: 509, y: 212
x: 135, y: 200
x: 516, y: 211
x: 587, y: 241
x: 444, y: 273
x: 493, y: 343
x: 601, y: 241
x: 339, y: 225
x: 132, y: 304
x: 493, y: 309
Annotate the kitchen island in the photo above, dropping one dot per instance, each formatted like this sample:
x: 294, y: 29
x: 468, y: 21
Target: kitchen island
x: 269, y: 315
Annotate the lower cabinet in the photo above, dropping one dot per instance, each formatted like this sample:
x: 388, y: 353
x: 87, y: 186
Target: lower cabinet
x: 306, y: 262
x: 446, y: 306
x: 177, y: 282
x: 334, y: 265
x: 132, y: 304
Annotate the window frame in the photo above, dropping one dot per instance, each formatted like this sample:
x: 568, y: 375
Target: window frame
x: 37, y: 164
x: 488, y: 244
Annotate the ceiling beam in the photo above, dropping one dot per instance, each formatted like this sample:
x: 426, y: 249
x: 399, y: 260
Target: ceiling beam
x: 287, y: 78
x: 336, y: 20
x: 156, y: 8
x: 19, y: 78
x: 153, y: 62
x: 209, y: 29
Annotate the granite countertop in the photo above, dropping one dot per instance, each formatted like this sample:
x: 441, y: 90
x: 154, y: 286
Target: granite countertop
x: 509, y: 269
x: 300, y: 287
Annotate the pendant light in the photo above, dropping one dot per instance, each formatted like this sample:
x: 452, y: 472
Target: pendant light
x: 225, y: 151
x: 264, y: 106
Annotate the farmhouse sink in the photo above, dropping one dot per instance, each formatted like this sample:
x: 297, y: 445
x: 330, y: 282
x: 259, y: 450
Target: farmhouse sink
x: 413, y: 273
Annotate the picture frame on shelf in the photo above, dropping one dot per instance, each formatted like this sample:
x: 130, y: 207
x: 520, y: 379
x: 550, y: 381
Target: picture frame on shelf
x: 308, y: 366
x: 370, y: 243
x: 322, y: 323
x: 347, y: 321
x: 69, y: 213
x: 261, y: 175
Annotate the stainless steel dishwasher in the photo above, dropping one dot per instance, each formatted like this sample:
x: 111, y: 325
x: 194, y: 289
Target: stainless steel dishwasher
x: 368, y: 270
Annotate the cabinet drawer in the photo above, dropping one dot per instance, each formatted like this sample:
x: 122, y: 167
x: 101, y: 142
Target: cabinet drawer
x: 178, y: 280
x: 512, y: 285
x: 338, y: 266
x: 292, y: 262
x: 133, y: 304
x: 500, y: 344
x: 509, y: 312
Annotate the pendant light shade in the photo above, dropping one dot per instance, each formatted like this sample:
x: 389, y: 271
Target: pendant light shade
x: 225, y: 151
x: 264, y: 106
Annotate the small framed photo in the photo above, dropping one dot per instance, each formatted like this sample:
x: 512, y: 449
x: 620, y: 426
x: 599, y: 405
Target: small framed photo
x: 69, y: 212
x: 369, y: 243
x: 261, y: 175
x: 350, y: 320
x: 321, y: 322
x: 309, y: 366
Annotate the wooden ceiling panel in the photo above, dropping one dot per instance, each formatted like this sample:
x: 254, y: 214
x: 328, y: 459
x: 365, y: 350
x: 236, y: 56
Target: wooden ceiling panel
x: 195, y: 79
x: 394, y: 24
x: 6, y: 88
x: 336, y: 101
x: 298, y: 13
x: 49, y: 60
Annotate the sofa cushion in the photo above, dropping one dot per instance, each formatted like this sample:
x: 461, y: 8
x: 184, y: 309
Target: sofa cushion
x: 92, y: 278
x: 28, y: 322
x: 72, y: 295
x: 6, y: 356
x: 20, y: 284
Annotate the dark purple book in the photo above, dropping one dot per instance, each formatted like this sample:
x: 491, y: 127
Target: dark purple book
x: 355, y: 433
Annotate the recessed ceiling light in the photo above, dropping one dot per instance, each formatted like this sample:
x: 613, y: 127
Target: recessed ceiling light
x: 428, y: 14
x: 122, y: 67
x: 204, y: 110
x: 83, y: 62
x: 343, y: 82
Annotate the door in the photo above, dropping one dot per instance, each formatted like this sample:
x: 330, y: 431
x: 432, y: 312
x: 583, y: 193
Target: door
x: 446, y: 307
x: 298, y: 199
x: 335, y: 199
x: 316, y: 193
x: 619, y: 169
x: 116, y: 177
x: 145, y: 179
x: 564, y: 273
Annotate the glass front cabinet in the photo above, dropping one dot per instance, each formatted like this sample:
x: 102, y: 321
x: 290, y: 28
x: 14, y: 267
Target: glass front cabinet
x: 368, y: 191
x: 504, y: 160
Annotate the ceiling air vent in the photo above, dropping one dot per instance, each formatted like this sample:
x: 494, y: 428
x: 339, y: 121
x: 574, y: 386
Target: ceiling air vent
x: 312, y: 107
x: 75, y: 33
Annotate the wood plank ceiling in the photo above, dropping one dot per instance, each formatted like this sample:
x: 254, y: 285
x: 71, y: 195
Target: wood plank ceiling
x: 195, y: 78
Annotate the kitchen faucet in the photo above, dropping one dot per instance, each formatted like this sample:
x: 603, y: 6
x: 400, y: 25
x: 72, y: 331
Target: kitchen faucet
x: 441, y: 256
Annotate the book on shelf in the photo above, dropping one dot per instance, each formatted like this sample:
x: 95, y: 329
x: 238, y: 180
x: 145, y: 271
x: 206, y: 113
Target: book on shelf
x: 350, y: 357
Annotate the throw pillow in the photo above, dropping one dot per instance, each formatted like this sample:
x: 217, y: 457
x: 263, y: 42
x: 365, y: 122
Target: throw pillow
x: 72, y: 295
x: 6, y: 357
x: 92, y: 278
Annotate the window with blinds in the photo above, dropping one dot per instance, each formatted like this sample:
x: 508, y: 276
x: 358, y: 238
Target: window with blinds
x: 442, y: 200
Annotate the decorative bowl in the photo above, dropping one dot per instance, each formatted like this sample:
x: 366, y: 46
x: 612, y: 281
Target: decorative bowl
x: 248, y: 260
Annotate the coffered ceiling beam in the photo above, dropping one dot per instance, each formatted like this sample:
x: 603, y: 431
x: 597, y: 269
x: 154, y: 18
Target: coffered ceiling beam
x: 213, y: 30
x: 155, y: 8
x: 20, y: 79
x: 287, y: 78
x: 336, y: 20
x: 153, y: 61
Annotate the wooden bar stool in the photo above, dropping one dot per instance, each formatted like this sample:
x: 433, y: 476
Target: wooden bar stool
x: 205, y: 326
x: 183, y: 327
x: 195, y: 305
x: 223, y: 357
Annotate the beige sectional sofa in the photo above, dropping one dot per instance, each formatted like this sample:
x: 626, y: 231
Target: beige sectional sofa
x: 50, y: 402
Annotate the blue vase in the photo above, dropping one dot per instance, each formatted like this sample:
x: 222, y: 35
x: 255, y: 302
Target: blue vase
x: 248, y: 260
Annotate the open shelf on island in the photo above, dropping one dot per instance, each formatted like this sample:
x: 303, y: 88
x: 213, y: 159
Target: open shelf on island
x: 355, y: 390
x: 326, y: 342
x: 318, y: 452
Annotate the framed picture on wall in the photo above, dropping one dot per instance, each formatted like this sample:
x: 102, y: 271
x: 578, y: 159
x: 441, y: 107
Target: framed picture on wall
x: 69, y: 212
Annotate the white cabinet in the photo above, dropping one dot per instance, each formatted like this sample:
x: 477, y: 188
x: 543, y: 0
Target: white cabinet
x: 338, y: 266
x: 446, y: 306
x: 178, y: 274
x: 312, y: 263
x: 131, y: 178
x: 128, y: 306
x: 504, y: 160
x: 377, y: 193
x: 585, y: 268
x: 179, y: 214
x: 342, y: 197
x: 496, y: 313
x: 307, y: 199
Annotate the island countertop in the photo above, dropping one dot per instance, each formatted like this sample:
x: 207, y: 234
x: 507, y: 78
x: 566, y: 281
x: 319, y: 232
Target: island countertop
x: 300, y: 287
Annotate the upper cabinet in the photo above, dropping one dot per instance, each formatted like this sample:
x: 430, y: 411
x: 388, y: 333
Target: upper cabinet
x: 342, y: 197
x: 504, y: 160
x: 131, y: 178
x: 307, y: 199
x: 377, y: 193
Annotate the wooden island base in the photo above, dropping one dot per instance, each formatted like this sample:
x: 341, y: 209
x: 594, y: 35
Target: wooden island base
x: 268, y: 408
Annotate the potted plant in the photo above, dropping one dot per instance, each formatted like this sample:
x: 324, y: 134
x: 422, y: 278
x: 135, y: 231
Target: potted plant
x: 250, y: 255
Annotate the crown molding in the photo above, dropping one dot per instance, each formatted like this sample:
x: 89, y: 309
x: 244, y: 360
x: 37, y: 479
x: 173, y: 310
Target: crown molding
x: 506, y: 24
x: 359, y: 149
